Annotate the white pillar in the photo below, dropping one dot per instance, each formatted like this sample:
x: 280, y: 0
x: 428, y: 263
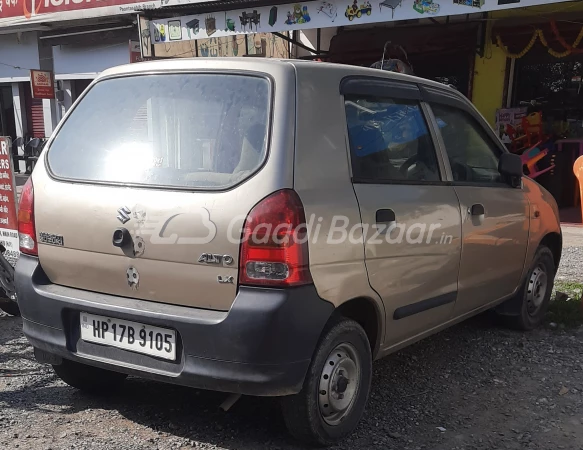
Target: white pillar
x: 45, y: 54
x: 65, y: 105
x: 310, y: 39
x: 50, y: 116
x: 19, y: 119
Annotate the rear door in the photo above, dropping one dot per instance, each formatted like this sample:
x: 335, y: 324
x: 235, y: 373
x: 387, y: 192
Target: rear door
x: 411, y: 217
x: 495, y: 215
x: 165, y: 163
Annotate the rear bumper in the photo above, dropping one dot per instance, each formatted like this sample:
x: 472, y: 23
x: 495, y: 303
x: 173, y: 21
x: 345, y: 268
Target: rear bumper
x: 262, y: 346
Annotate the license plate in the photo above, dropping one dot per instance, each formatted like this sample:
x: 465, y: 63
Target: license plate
x: 133, y: 336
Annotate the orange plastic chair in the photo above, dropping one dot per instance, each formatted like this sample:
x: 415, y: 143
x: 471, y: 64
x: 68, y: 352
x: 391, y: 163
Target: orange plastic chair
x: 578, y: 169
x: 529, y: 135
x: 530, y: 158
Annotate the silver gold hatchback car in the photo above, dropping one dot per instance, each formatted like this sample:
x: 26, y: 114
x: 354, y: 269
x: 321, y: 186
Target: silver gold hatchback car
x: 270, y: 228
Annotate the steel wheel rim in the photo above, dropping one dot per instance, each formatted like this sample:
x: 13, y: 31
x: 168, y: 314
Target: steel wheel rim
x: 339, y: 384
x: 536, y: 289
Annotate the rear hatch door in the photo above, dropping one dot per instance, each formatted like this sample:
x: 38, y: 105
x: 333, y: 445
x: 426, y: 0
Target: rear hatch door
x: 164, y: 162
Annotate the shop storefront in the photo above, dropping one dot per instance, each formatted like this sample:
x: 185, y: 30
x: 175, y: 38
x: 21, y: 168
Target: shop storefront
x: 486, y: 50
x: 541, y: 110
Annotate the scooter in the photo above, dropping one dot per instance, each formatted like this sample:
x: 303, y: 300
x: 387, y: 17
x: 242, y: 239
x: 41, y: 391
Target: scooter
x: 8, y: 301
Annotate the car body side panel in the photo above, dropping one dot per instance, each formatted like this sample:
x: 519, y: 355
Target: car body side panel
x: 494, y: 245
x: 322, y: 180
x: 417, y: 262
x: 544, y: 218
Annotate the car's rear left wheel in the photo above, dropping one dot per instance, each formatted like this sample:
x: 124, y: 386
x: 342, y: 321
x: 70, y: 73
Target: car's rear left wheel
x: 10, y: 307
x: 336, y: 388
x: 88, y: 378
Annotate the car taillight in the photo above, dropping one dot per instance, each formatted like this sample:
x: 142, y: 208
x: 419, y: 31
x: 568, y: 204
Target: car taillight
x: 26, y: 230
x: 274, y: 251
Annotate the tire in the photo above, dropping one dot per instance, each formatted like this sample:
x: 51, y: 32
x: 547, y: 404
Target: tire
x: 89, y: 379
x: 343, y: 355
x: 10, y: 308
x: 529, y: 306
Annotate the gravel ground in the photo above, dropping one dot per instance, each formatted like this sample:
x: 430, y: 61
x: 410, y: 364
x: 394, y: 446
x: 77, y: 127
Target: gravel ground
x: 487, y: 387
x: 571, y: 268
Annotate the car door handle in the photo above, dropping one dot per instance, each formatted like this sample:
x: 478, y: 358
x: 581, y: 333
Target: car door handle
x: 477, y: 210
x: 385, y: 216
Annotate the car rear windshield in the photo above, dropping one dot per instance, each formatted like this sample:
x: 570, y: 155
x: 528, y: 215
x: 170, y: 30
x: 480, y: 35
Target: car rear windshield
x: 175, y: 130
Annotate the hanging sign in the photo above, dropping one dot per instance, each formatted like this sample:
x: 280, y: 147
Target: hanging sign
x: 135, y: 53
x: 20, y: 12
x: 42, y: 83
x: 317, y: 14
x: 8, y: 217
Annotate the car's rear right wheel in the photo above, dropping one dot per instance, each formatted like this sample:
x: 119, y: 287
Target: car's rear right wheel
x: 88, y: 378
x: 336, y: 387
x: 527, y: 308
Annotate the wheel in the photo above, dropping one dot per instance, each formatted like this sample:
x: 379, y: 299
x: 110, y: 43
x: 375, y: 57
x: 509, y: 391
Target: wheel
x: 368, y: 12
x: 359, y: 14
x: 527, y: 309
x: 336, y: 388
x: 10, y: 308
x: 88, y: 378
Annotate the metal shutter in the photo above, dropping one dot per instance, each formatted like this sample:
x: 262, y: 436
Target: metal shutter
x: 37, y: 128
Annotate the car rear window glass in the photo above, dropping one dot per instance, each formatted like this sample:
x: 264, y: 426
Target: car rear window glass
x: 175, y: 130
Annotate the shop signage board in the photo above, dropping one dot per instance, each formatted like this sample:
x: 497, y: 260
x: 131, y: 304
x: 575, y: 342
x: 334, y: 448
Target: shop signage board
x: 8, y: 217
x: 318, y: 14
x: 20, y: 12
x: 42, y: 84
x: 135, y: 54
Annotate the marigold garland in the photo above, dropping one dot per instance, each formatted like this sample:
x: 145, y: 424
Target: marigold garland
x: 523, y: 52
x: 563, y: 42
x: 538, y: 34
x: 554, y: 53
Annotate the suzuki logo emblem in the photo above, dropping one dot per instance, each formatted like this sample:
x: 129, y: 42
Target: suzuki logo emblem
x: 124, y: 214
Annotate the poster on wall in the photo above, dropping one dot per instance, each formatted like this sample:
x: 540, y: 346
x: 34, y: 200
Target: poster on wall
x: 266, y: 45
x: 42, y: 84
x: 8, y: 217
x: 508, y: 120
x: 317, y: 14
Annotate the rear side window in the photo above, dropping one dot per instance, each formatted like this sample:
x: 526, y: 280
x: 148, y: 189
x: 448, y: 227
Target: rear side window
x: 389, y: 141
x: 175, y: 130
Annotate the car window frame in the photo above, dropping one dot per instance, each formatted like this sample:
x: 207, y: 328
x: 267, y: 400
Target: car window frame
x: 380, y: 88
x: 455, y: 100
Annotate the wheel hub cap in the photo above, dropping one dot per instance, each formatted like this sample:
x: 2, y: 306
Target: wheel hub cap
x: 536, y: 289
x: 339, y: 383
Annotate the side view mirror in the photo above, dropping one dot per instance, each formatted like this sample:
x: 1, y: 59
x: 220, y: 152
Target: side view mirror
x: 510, y: 165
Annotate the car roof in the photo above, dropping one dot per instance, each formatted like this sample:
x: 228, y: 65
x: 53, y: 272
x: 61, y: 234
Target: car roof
x: 261, y: 65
